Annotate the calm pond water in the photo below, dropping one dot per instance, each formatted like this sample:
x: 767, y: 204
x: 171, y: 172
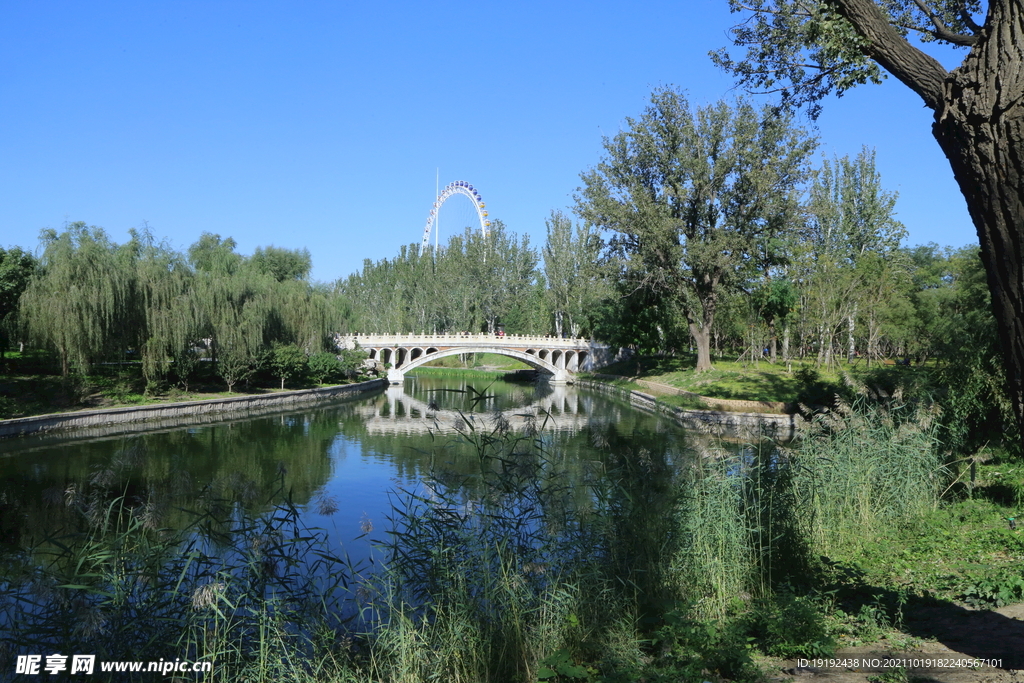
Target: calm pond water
x: 341, y: 464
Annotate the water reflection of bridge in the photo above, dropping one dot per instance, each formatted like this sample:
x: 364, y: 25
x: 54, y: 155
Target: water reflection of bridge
x: 400, y: 413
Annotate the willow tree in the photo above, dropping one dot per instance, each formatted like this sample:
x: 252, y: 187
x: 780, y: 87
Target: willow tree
x: 806, y: 49
x: 16, y: 269
x: 82, y: 301
x: 282, y: 264
x: 238, y: 308
x: 691, y: 196
x: 168, y: 321
x: 303, y: 315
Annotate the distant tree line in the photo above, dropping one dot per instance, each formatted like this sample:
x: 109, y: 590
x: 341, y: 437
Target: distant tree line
x: 701, y: 230
x: 89, y: 300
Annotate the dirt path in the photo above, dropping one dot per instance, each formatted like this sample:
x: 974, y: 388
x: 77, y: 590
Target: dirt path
x: 951, y: 633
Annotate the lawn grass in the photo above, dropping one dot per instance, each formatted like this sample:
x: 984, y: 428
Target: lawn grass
x: 964, y: 551
x: 761, y: 380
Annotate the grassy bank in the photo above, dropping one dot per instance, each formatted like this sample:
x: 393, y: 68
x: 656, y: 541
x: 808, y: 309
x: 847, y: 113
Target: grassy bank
x: 649, y: 572
x: 460, y: 372
x: 797, y: 381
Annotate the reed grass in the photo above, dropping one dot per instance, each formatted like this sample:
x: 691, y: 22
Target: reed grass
x: 665, y: 566
x: 864, y: 469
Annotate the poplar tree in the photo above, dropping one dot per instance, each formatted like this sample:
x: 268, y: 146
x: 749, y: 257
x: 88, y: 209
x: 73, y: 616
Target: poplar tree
x: 571, y: 269
x: 807, y: 49
x: 851, y: 218
x: 690, y: 196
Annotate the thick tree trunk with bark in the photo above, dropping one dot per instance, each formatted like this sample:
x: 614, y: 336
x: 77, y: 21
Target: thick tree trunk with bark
x: 979, y: 123
x: 702, y: 340
x: 981, y: 130
x: 701, y: 322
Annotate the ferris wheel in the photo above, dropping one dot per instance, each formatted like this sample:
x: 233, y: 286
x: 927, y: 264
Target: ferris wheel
x: 452, y: 189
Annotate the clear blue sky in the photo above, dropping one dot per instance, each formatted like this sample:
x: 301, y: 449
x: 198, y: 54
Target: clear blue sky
x: 320, y: 124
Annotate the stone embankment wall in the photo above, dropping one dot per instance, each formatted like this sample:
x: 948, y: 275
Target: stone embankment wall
x: 747, y: 426
x: 97, y: 423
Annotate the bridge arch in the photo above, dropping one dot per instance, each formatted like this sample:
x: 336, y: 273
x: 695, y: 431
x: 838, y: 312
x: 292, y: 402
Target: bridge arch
x: 406, y: 364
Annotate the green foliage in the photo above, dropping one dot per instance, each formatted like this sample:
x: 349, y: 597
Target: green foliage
x: 79, y: 305
x: 775, y: 299
x: 862, y: 470
x: 16, y: 267
x: 696, y: 646
x: 801, y: 51
x: 964, y: 551
x: 93, y: 300
x: 995, y: 591
x: 787, y: 625
x: 324, y: 366
x: 211, y: 254
x: 559, y: 666
x: 815, y: 392
x: 287, y: 360
x: 282, y: 264
x: 573, y: 274
x: 848, y: 261
x: 473, y: 283
x: 691, y: 197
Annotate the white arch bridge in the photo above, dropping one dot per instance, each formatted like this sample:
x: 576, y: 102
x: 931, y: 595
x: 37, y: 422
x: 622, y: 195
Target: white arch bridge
x: 557, y: 359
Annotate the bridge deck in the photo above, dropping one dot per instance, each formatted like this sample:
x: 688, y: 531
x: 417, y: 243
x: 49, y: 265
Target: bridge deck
x: 467, y: 339
x: 557, y: 357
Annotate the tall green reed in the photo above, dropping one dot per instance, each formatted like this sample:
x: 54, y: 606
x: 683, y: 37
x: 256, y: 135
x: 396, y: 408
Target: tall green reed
x: 250, y: 592
x: 626, y: 562
x: 480, y: 587
x: 863, y: 468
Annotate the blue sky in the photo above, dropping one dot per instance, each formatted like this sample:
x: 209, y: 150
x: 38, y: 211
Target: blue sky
x: 321, y: 124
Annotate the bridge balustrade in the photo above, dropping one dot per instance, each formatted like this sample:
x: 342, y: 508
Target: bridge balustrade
x: 557, y: 357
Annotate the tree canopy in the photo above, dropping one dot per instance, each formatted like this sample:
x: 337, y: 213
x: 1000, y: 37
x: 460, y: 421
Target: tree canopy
x: 806, y: 49
x: 693, y: 197
x: 16, y: 268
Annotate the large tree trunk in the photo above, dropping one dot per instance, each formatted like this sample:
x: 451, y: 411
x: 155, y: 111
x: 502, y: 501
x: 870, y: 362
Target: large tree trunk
x: 851, y: 344
x: 981, y: 131
x: 703, y: 321
x: 979, y: 123
x: 702, y: 340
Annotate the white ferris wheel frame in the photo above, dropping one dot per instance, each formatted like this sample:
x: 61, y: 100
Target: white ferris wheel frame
x: 450, y: 190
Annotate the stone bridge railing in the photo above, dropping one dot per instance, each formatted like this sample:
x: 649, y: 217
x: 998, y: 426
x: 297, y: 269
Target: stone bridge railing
x: 559, y: 358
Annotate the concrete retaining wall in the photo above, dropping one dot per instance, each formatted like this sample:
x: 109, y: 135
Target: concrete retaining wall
x: 722, y: 423
x: 110, y: 421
